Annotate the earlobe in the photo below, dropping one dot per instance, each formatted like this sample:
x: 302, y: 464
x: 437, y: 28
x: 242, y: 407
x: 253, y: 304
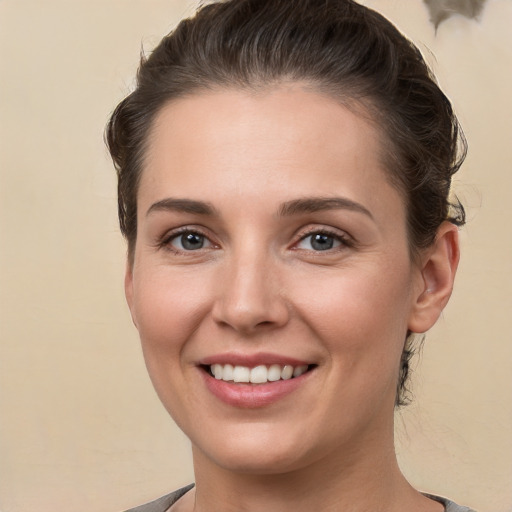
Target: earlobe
x: 128, y: 289
x: 438, y: 269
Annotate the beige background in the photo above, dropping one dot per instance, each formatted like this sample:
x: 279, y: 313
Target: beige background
x: 80, y: 426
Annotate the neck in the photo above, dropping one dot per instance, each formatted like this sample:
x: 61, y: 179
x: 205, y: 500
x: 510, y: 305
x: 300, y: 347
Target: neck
x: 355, y: 480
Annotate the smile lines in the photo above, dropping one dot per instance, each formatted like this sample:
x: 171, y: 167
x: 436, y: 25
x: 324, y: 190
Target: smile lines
x: 257, y: 375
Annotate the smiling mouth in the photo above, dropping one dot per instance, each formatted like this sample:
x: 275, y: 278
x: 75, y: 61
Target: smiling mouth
x: 261, y: 374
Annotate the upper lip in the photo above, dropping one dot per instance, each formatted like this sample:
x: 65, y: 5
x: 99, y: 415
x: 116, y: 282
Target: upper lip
x: 252, y: 360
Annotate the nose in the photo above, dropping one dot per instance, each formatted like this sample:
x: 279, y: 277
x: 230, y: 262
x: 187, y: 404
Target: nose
x: 250, y: 297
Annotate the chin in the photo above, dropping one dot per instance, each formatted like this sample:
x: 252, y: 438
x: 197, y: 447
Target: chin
x: 249, y: 462
x: 267, y: 452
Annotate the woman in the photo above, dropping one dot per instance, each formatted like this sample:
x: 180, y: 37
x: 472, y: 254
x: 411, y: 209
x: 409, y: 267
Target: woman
x: 284, y: 171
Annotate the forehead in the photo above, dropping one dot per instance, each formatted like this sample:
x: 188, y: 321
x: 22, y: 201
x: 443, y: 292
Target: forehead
x: 288, y: 141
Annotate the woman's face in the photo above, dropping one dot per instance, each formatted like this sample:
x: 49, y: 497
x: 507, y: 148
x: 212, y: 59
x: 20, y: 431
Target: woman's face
x: 269, y: 236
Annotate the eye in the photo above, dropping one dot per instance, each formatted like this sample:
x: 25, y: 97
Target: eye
x: 189, y: 241
x: 321, y: 241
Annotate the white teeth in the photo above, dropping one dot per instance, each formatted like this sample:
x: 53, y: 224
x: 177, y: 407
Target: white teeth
x: 227, y: 372
x: 287, y: 372
x: 217, y: 371
x: 274, y: 373
x: 241, y: 374
x: 299, y: 370
x: 257, y: 375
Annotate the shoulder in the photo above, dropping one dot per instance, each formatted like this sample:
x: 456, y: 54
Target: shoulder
x: 163, y: 503
x: 449, y: 506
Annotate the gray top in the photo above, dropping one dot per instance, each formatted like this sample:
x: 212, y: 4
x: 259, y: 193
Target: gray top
x: 162, y: 504
x: 449, y: 506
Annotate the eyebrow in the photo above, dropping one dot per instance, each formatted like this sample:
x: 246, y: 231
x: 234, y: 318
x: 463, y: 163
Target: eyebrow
x: 182, y: 205
x: 317, y: 204
x: 287, y: 209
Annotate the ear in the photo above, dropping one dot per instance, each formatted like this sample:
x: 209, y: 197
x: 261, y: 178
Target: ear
x: 128, y: 289
x: 437, y: 268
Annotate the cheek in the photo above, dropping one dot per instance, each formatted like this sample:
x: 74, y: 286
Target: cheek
x: 347, y: 298
x: 361, y: 315
x: 168, y: 307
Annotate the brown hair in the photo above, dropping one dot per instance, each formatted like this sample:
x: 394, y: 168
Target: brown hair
x: 338, y: 46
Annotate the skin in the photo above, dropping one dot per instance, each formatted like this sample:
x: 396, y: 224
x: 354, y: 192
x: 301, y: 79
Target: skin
x: 259, y: 285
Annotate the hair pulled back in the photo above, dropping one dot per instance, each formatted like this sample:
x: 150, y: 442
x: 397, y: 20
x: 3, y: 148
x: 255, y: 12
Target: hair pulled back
x: 338, y: 46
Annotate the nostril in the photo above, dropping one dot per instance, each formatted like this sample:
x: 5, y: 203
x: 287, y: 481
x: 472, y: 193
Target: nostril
x: 264, y: 323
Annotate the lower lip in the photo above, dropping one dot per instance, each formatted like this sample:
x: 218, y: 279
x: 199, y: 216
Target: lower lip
x: 252, y: 396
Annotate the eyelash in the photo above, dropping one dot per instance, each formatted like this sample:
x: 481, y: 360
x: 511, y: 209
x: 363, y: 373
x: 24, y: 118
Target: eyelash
x: 166, y: 241
x: 343, y: 239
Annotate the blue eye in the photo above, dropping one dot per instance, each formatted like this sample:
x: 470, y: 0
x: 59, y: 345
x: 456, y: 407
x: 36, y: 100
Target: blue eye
x: 189, y: 241
x: 320, y: 242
